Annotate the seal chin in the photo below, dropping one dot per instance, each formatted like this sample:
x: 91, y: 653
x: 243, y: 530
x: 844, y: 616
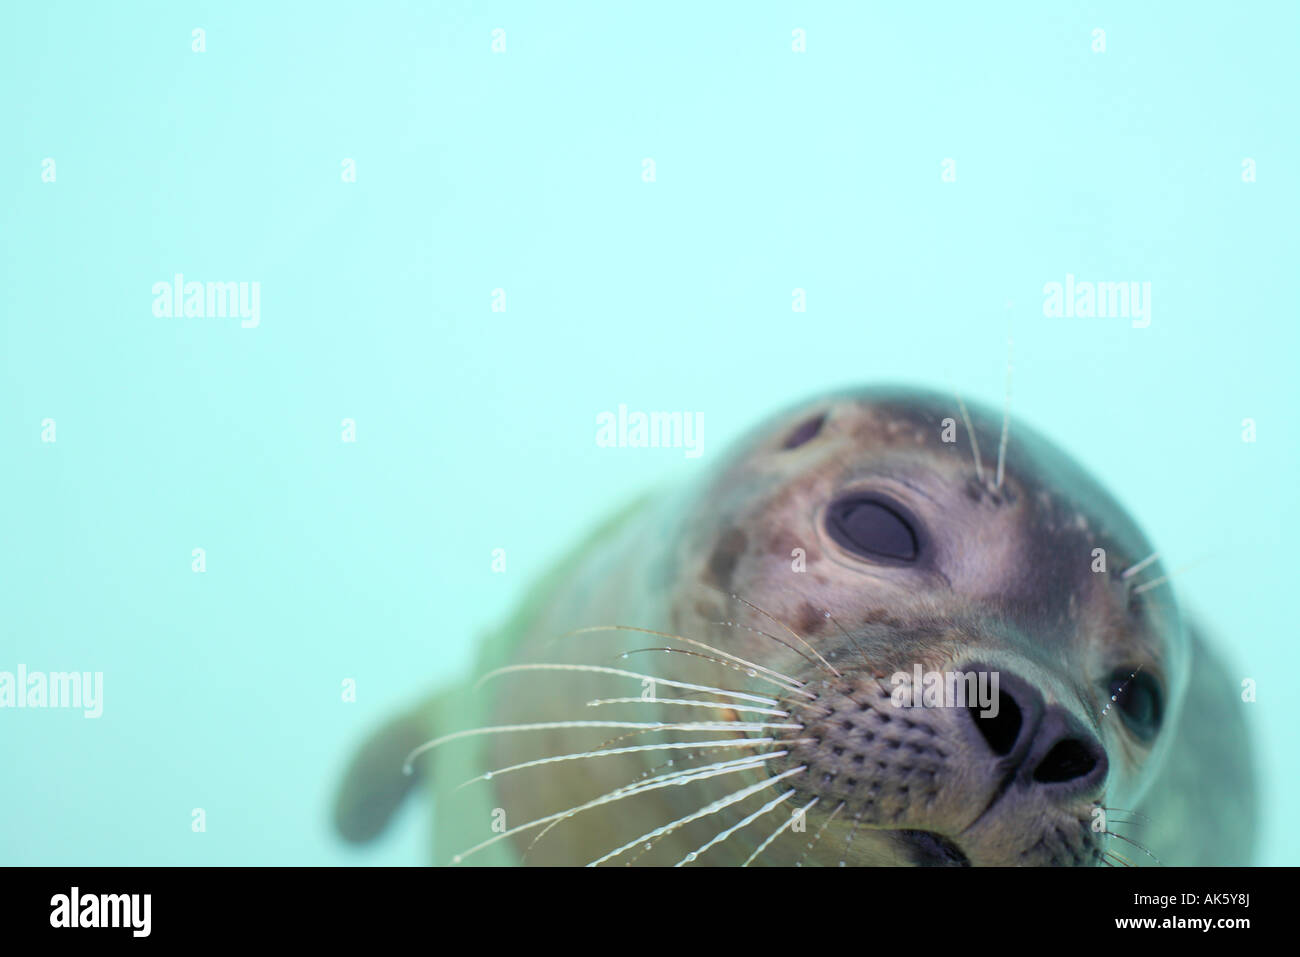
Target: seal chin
x: 1068, y: 842
x: 928, y: 849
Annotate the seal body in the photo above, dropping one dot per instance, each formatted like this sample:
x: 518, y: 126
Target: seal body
x: 856, y: 642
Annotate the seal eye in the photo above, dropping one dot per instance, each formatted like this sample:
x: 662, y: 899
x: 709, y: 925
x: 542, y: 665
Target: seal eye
x: 872, y: 529
x: 1139, y: 700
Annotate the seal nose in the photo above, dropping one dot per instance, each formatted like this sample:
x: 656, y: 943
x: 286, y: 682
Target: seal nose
x: 1064, y: 755
x: 1045, y: 746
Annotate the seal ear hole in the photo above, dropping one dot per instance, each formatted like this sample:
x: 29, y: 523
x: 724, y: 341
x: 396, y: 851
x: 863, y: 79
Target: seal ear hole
x: 1138, y: 697
x: 873, y: 528
x: 805, y: 431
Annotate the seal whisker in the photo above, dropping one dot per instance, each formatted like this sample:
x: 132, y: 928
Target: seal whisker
x: 614, y: 740
x: 1121, y: 857
x: 1147, y: 586
x: 820, y: 831
x: 723, y: 835
x: 1006, y: 418
x: 635, y: 734
x: 600, y: 669
x: 709, y: 809
x: 1134, y: 569
x: 786, y: 699
x: 857, y: 820
x: 575, y: 756
x: 974, y: 442
x: 794, y: 634
x: 686, y: 702
x: 651, y: 843
x: 802, y: 812
x: 673, y: 779
x: 639, y: 779
x: 1137, y: 845
x: 558, y: 725
x: 692, y: 641
x: 853, y: 641
x: 688, y: 756
x: 1122, y: 688
x: 726, y: 664
x: 760, y: 631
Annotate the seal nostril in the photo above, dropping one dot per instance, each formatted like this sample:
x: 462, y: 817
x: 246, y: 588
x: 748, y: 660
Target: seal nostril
x: 1001, y: 730
x: 805, y: 432
x: 1068, y: 760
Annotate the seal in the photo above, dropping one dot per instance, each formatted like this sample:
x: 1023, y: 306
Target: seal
x: 857, y: 642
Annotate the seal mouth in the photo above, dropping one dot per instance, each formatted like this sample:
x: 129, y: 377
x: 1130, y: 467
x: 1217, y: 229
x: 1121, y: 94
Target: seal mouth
x: 928, y: 849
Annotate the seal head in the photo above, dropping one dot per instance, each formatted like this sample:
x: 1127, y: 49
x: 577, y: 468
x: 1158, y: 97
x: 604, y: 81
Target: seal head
x: 866, y: 524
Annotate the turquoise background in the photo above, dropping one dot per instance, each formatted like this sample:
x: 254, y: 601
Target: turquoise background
x: 475, y: 429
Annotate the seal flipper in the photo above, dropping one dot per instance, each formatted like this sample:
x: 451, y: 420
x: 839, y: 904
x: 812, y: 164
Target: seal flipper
x: 1203, y: 807
x: 375, y: 784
